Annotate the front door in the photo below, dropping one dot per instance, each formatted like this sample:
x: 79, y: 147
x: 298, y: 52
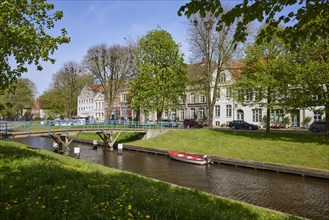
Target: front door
x: 240, y: 115
x: 295, y: 118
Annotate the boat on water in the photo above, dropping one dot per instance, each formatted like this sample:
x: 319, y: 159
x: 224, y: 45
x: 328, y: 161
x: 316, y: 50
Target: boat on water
x: 189, y: 158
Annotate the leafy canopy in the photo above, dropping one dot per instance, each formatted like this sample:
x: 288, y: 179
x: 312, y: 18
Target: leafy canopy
x: 161, y: 76
x: 309, y: 21
x: 23, y: 37
x: 12, y: 103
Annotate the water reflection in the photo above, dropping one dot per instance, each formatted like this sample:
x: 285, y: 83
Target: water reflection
x: 306, y: 197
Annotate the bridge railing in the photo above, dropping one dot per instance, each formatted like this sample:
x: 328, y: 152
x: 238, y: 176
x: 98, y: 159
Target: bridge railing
x: 52, y: 125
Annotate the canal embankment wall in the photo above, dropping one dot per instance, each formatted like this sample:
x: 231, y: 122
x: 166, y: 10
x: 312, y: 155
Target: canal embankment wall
x: 279, y: 168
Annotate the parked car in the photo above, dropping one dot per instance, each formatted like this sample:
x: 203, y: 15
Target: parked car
x: 168, y: 123
x: 275, y: 124
x: 318, y: 126
x: 192, y: 123
x: 239, y: 124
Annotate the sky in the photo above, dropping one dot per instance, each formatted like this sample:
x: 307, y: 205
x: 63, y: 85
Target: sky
x: 90, y: 23
x: 93, y: 22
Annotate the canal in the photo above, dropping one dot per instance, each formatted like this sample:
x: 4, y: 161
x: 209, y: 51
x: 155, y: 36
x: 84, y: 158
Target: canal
x: 302, y: 196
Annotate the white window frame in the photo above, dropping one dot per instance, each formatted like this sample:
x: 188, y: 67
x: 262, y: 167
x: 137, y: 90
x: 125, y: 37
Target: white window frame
x: 228, y: 110
x: 257, y: 115
x: 217, y: 110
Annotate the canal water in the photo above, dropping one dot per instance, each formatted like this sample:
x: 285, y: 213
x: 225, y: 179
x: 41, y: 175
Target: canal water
x: 302, y: 196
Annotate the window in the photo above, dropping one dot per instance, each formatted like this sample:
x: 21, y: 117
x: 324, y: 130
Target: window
x: 202, y: 98
x: 248, y: 95
x: 228, y: 93
x: 201, y: 113
x: 317, y: 115
x: 240, y: 114
x: 124, y: 112
x: 192, y: 113
x: 257, y: 115
x: 228, y: 110
x: 277, y: 115
x: 192, y: 98
x: 182, y: 115
x: 180, y: 100
x: 123, y: 97
x: 217, y: 123
x: 217, y: 111
x: 165, y: 114
x: 218, y: 93
x: 222, y: 78
x: 258, y: 95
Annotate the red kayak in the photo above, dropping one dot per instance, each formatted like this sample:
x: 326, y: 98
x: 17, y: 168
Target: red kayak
x: 189, y: 158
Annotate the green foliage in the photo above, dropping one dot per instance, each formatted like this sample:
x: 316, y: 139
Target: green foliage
x: 262, y: 74
x: 23, y: 37
x: 42, y: 185
x: 309, y: 21
x: 13, y: 102
x: 161, y: 73
x: 286, y: 120
x: 306, y: 121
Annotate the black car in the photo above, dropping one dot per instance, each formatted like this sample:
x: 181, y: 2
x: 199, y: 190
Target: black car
x: 318, y: 126
x: 239, y: 124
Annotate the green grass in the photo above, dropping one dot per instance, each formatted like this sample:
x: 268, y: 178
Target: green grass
x: 36, y: 184
x: 306, y: 150
x: 123, y: 138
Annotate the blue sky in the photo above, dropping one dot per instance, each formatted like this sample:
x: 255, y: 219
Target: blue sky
x: 91, y: 22
x: 94, y: 22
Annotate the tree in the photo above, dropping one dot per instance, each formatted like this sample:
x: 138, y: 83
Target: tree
x: 261, y: 77
x: 23, y: 37
x: 310, y: 21
x: 112, y: 68
x: 67, y: 84
x: 308, y: 77
x: 12, y: 103
x: 161, y: 74
x: 216, y: 48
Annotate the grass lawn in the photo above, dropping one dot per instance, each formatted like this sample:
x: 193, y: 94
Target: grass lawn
x: 36, y: 184
x: 306, y: 150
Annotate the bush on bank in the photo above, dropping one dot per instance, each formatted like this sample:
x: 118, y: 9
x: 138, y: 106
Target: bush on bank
x: 36, y: 184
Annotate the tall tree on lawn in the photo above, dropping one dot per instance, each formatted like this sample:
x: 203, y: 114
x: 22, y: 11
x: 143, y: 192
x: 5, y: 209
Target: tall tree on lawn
x: 161, y: 74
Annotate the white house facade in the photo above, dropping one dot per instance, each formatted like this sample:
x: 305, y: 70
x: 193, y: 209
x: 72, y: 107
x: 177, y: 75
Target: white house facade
x: 91, y: 105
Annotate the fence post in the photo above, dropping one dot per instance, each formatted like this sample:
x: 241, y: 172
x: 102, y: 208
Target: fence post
x: 29, y: 124
x: 48, y: 128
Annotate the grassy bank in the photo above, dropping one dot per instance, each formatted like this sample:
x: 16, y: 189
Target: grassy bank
x: 36, y: 184
x: 306, y: 150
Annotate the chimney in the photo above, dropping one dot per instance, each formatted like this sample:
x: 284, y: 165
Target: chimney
x: 203, y: 61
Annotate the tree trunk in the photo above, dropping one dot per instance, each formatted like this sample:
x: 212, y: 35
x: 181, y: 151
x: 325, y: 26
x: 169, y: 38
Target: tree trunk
x: 268, y: 120
x: 327, y: 119
x: 268, y: 109
x: 159, y: 115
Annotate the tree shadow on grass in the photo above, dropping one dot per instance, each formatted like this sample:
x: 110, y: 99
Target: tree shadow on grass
x: 273, y: 136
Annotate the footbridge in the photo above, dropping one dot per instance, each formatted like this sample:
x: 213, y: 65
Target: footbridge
x: 16, y: 129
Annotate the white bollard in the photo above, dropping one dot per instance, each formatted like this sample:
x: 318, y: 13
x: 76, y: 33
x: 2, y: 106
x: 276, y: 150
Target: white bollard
x: 55, y: 145
x: 95, y: 144
x: 77, y: 151
x: 120, y: 148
